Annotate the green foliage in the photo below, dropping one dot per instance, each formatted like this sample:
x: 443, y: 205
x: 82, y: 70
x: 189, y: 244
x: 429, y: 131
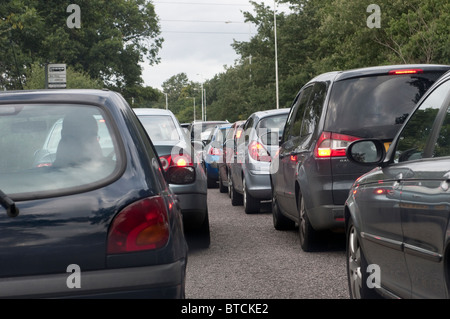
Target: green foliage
x: 115, y: 35
x: 321, y: 36
x: 35, y: 79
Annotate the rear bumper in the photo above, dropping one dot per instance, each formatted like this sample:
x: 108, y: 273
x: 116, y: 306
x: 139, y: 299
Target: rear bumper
x: 158, y: 281
x: 258, y: 185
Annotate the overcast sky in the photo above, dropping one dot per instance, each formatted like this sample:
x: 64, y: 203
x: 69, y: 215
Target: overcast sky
x: 197, y: 37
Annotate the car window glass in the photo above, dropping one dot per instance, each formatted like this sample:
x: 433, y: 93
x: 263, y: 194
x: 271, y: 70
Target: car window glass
x: 416, y: 134
x: 160, y: 127
x: 314, y: 109
x: 53, y: 148
x: 302, y: 102
x: 442, y: 147
x: 270, y: 129
x: 375, y: 106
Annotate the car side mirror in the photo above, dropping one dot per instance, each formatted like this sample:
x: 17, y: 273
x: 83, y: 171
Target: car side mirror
x: 366, y: 152
x: 180, y: 175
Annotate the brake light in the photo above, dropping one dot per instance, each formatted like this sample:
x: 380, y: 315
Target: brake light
x: 178, y: 160
x: 142, y: 225
x: 333, y: 144
x: 257, y: 151
x: 215, y: 151
x: 405, y: 71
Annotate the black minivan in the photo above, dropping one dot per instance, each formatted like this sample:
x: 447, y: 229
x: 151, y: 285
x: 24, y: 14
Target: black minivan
x: 311, y: 176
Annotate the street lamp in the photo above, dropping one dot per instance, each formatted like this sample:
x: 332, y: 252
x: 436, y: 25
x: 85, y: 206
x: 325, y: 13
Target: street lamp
x: 276, y: 53
x: 167, y: 102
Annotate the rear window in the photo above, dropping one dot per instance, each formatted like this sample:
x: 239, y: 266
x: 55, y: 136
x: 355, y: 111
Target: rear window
x: 51, y: 149
x: 160, y: 127
x: 375, y: 106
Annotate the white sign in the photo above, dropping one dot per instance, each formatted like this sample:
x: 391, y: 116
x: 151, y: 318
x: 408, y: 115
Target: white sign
x: 56, y: 76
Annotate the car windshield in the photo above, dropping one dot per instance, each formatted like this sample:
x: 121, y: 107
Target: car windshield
x: 160, y: 127
x: 53, y: 148
x: 375, y: 106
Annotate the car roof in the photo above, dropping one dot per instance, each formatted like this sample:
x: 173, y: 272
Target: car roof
x: 150, y: 111
x: 265, y: 113
x: 83, y: 95
x: 375, y: 70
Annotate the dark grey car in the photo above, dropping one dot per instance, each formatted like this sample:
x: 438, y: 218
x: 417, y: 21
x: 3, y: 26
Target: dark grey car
x: 312, y: 176
x: 397, y: 215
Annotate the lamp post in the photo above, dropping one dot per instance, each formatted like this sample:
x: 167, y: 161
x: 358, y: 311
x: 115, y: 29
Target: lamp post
x: 276, y: 53
x: 167, y: 102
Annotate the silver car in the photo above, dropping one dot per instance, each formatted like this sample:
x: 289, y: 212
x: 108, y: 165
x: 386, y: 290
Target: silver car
x: 174, y: 149
x: 250, y: 176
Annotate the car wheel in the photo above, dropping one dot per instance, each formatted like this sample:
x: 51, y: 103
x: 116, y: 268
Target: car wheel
x: 308, y: 236
x: 236, y: 198
x: 251, y: 204
x: 200, y: 237
x: 211, y: 183
x: 222, y: 188
x: 230, y: 184
x: 356, y: 266
x: 280, y: 222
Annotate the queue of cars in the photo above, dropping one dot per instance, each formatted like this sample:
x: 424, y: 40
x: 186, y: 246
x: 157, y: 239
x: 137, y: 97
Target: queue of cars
x: 347, y: 161
x: 92, y: 189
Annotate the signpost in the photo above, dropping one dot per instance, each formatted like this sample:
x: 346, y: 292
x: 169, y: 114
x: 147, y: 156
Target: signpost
x: 55, y: 76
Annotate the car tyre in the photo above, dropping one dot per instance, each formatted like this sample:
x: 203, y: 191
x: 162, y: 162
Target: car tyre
x: 280, y: 222
x: 200, y: 237
x: 356, y: 265
x: 230, y: 184
x: 251, y: 204
x: 236, y: 198
x: 222, y: 188
x: 308, y: 235
x: 211, y: 183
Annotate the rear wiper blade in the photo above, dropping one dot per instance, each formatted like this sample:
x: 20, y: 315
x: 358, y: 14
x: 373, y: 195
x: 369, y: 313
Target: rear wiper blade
x: 9, y: 205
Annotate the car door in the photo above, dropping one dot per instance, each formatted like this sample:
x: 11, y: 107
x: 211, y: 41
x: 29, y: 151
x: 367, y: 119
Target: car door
x: 288, y: 158
x: 425, y: 199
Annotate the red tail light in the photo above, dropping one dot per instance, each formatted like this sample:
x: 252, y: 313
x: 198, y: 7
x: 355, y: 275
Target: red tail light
x: 405, y: 71
x: 215, y: 151
x: 142, y: 225
x: 257, y: 151
x: 333, y: 144
x: 177, y: 160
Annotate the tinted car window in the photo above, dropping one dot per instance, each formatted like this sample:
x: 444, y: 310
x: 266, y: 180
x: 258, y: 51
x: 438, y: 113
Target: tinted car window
x: 371, y: 106
x: 53, y: 148
x: 415, y: 136
x: 160, y: 128
x: 443, y: 142
x: 314, y: 109
x: 294, y: 122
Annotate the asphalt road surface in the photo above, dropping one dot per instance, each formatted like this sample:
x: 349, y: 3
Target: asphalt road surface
x: 249, y: 259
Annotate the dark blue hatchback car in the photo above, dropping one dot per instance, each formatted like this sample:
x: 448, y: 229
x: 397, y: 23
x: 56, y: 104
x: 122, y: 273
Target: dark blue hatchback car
x: 94, y: 219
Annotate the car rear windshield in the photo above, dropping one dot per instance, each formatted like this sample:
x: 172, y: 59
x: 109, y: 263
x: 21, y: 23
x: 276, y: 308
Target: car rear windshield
x: 375, y: 106
x: 52, y: 149
x: 160, y: 127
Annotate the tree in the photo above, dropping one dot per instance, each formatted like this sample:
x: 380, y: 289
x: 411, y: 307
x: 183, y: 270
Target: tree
x: 35, y: 79
x: 115, y: 36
